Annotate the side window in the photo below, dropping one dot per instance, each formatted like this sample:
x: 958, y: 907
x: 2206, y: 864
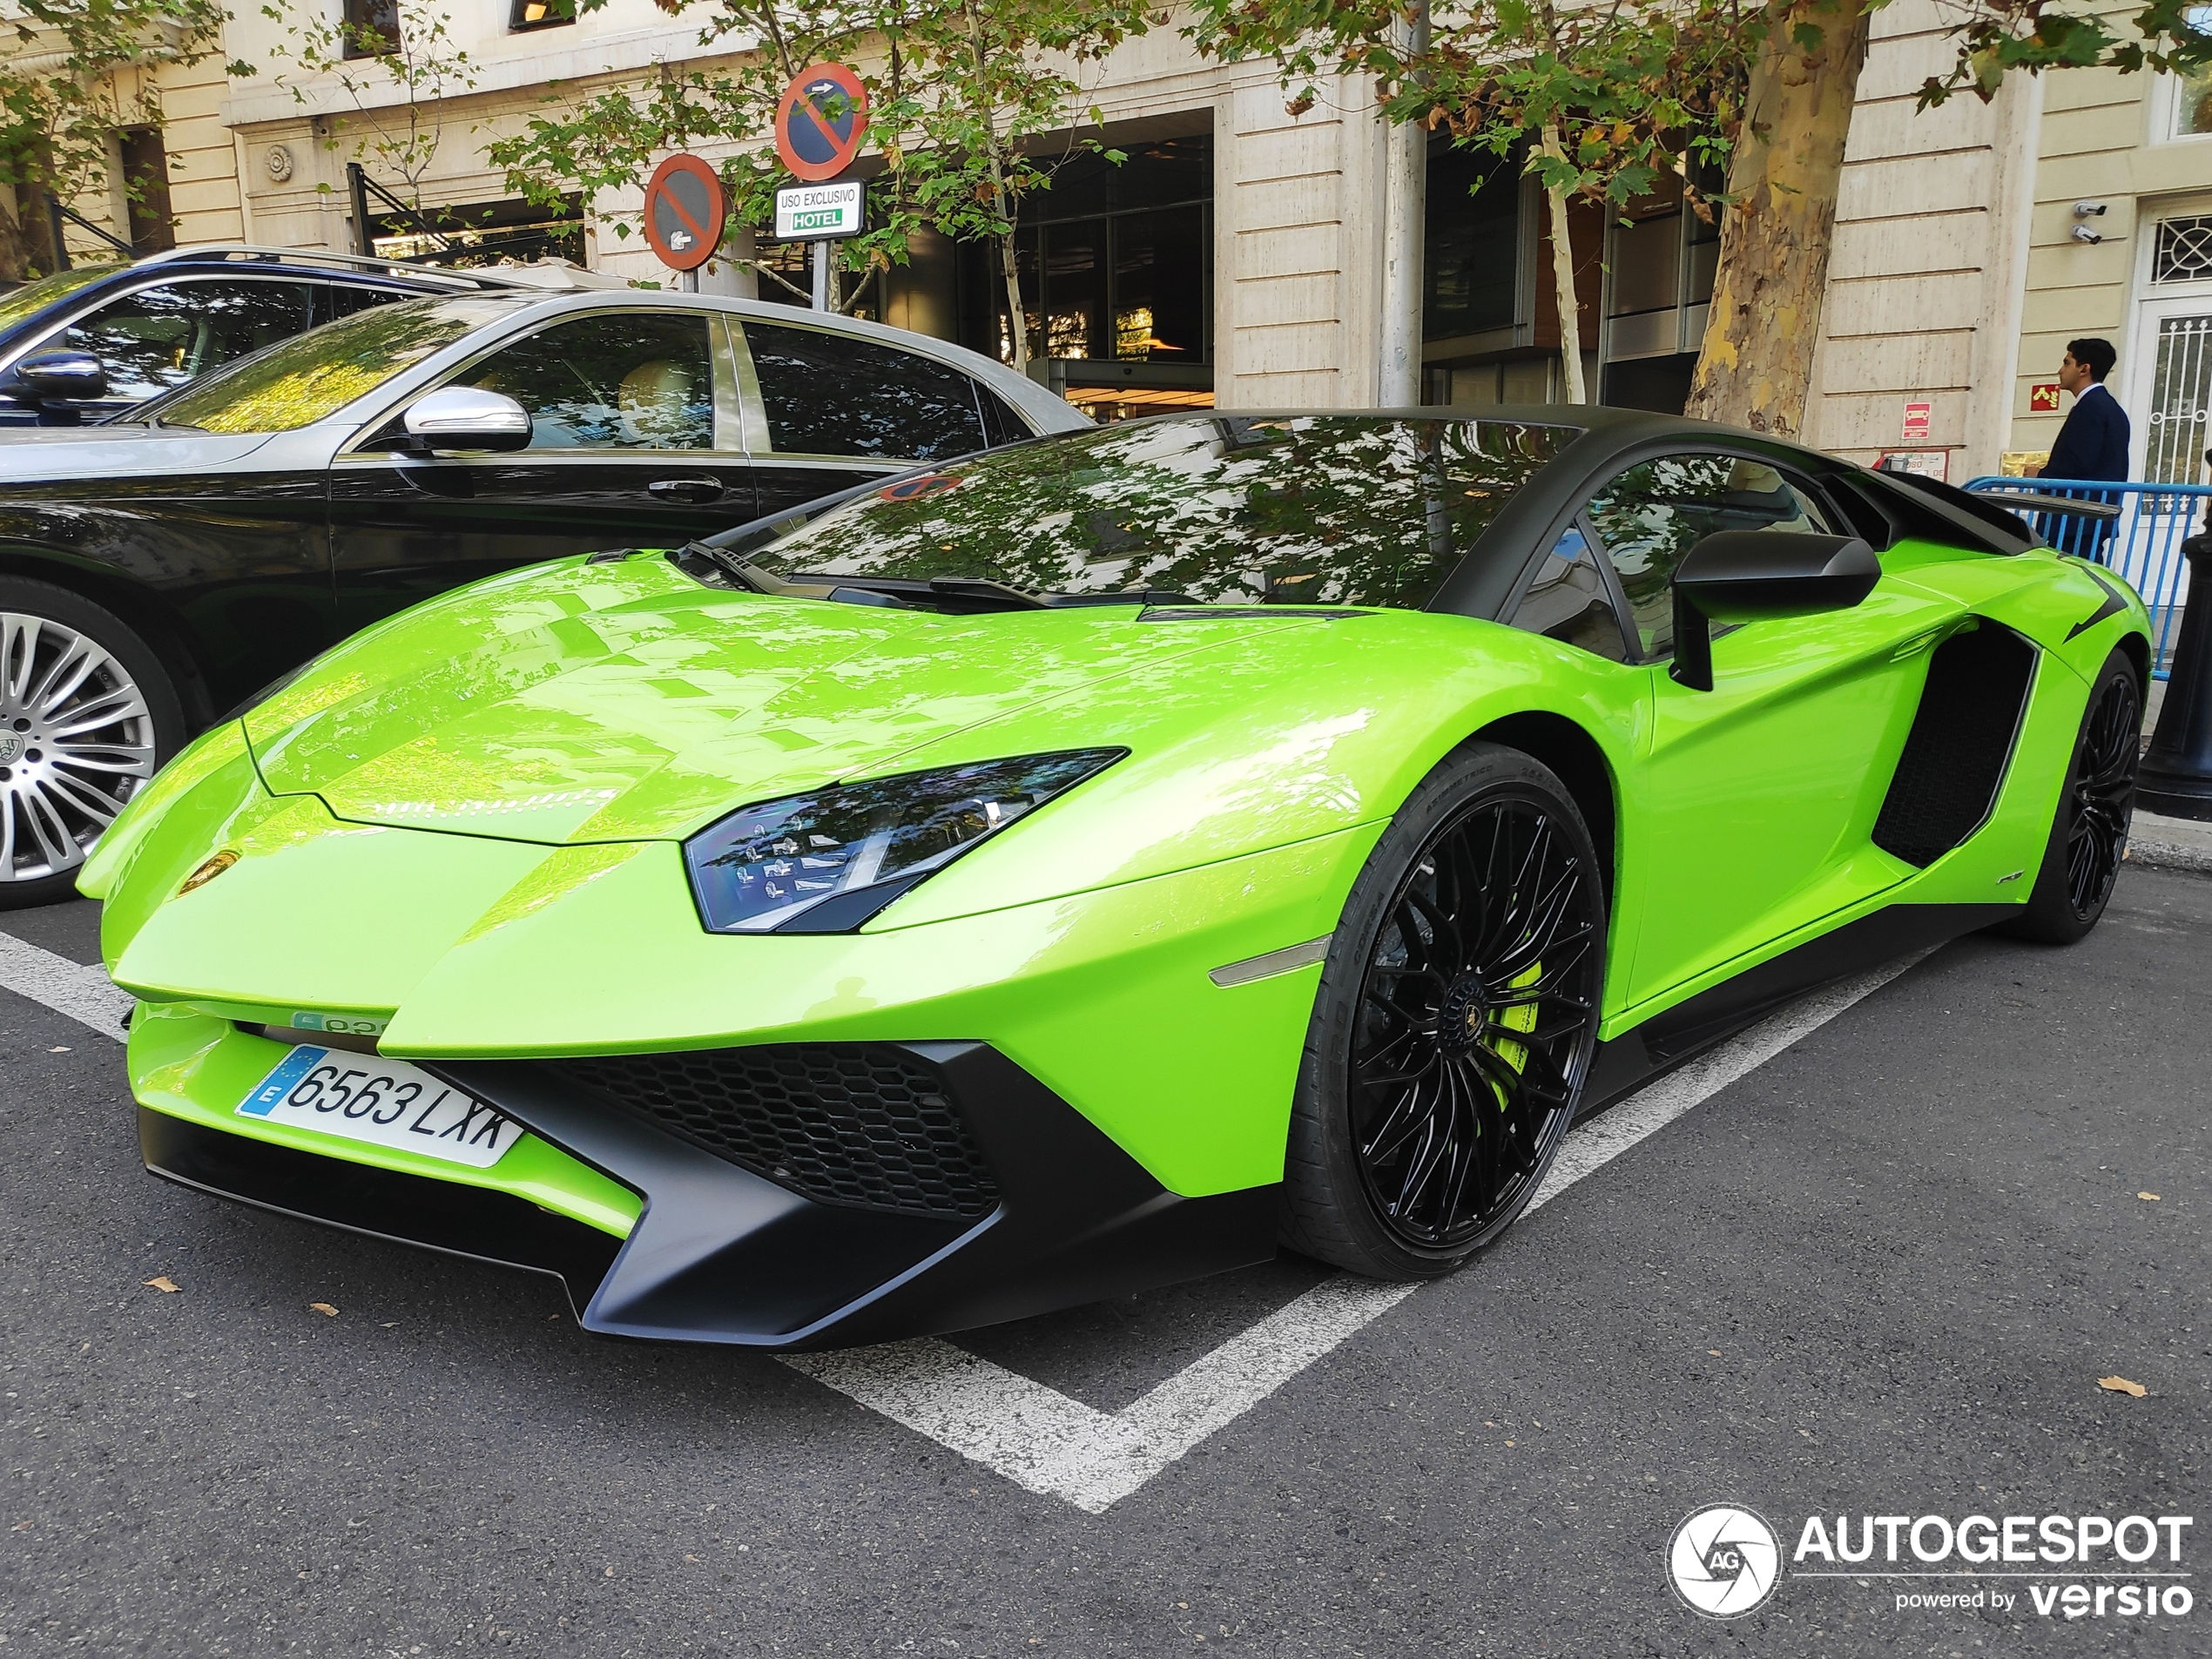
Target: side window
x: 1567, y: 600
x: 1652, y: 514
x: 1000, y: 423
x: 831, y: 394
x: 333, y: 300
x: 613, y: 380
x: 160, y: 337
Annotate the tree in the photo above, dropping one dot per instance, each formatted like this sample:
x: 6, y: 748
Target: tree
x: 1754, y: 363
x: 60, y: 101
x: 971, y: 109
x: 1596, y: 101
x: 1755, y: 367
x: 397, y: 63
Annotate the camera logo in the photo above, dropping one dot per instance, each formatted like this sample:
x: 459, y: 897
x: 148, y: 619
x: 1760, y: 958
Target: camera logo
x: 1722, y: 1561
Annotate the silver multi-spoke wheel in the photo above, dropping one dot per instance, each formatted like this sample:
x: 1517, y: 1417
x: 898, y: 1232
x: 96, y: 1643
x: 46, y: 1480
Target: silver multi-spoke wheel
x: 77, y: 741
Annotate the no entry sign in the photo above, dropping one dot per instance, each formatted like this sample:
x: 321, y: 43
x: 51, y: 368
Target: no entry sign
x: 684, y: 212
x: 821, y: 123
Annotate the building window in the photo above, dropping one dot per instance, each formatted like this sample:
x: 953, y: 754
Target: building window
x: 1117, y: 274
x: 540, y: 14
x: 475, y: 233
x: 2183, y: 252
x: 370, y: 28
x: 145, y: 176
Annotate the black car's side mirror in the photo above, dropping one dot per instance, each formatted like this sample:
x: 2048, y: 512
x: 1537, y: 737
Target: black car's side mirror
x: 1757, y: 575
x: 465, y: 417
x: 60, y: 375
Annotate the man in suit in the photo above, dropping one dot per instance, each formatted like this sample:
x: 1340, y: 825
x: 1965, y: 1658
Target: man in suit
x: 2092, y: 444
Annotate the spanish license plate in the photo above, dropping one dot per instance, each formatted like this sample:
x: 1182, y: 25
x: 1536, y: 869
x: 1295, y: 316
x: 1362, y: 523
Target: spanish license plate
x: 384, y: 1103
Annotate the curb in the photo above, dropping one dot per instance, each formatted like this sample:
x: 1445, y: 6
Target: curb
x: 2163, y: 855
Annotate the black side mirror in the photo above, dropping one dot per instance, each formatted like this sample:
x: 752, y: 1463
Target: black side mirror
x: 1757, y: 575
x: 59, y: 375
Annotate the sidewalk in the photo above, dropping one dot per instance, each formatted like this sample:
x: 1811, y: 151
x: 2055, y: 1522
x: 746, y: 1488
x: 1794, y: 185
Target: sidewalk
x: 2169, y: 843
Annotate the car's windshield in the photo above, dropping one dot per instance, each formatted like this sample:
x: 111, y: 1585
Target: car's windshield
x: 1296, y: 509
x: 298, y: 381
x: 33, y: 297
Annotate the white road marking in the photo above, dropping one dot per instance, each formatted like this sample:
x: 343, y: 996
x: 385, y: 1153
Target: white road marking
x: 86, y: 994
x: 1041, y: 1440
x: 1044, y: 1440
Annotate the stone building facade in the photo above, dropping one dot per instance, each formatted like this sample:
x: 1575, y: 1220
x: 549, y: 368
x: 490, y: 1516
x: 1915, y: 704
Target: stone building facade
x: 1236, y: 259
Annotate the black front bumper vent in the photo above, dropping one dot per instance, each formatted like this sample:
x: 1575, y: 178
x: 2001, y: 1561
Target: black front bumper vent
x: 840, y: 1122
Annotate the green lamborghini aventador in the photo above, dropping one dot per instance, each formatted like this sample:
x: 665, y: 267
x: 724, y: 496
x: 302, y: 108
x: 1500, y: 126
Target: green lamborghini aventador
x: 1096, y: 862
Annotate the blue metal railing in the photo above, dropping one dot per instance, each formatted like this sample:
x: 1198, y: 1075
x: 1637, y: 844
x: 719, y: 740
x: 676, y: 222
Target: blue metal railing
x: 2143, y: 542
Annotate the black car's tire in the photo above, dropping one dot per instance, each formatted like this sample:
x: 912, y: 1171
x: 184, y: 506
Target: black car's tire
x: 1454, y: 1025
x: 2090, y: 830
x: 87, y: 716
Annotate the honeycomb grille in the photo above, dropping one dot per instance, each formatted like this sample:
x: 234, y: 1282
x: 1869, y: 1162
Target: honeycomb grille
x: 853, y: 1123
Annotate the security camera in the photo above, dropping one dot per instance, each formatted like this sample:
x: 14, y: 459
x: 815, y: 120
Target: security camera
x: 2083, y: 234
x: 2088, y: 210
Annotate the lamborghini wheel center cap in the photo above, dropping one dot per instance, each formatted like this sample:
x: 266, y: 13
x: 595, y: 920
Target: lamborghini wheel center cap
x: 1460, y: 1021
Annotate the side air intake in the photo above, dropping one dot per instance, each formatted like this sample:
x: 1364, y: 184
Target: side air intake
x: 1961, y: 740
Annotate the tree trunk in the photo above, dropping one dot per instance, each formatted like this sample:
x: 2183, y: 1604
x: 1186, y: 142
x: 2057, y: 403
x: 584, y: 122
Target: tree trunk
x: 1010, y: 268
x: 1754, y: 364
x: 1570, y: 308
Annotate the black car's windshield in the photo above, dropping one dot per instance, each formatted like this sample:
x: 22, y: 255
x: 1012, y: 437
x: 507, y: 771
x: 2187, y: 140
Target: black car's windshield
x: 33, y: 297
x: 1282, y: 510
x: 298, y: 381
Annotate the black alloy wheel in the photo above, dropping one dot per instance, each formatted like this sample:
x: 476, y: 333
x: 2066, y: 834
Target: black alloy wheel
x: 1471, y: 1020
x: 2089, y: 832
x: 2102, y: 794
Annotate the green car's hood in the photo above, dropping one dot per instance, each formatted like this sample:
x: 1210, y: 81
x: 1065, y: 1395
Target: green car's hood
x: 583, y: 704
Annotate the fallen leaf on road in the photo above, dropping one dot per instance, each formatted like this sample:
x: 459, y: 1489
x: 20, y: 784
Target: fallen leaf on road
x: 324, y: 1307
x: 2122, y: 1386
x: 163, y: 1282
x: 2151, y: 1198
x: 61, y: 1051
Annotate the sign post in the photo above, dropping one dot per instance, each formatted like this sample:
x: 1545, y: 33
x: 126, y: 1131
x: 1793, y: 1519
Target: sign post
x: 685, y: 213
x: 820, y: 126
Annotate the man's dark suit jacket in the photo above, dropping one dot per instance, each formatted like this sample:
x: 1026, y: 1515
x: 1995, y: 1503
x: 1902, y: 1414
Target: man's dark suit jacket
x: 2093, y: 442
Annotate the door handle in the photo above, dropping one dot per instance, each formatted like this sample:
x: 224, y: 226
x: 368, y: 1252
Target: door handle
x: 686, y: 490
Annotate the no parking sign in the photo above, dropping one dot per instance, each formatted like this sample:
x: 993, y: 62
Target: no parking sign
x: 684, y: 212
x: 821, y: 123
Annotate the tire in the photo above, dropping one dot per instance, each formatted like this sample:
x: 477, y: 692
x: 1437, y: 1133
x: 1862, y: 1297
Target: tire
x: 2090, y: 830
x: 1417, y: 1136
x: 87, y: 716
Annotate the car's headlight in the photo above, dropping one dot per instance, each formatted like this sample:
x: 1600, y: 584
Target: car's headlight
x: 825, y: 862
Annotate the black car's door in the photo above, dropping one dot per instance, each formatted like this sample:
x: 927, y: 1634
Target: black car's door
x: 827, y: 409
x: 636, y: 441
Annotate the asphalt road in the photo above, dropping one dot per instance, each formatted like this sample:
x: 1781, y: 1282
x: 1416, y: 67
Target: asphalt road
x: 1881, y: 1274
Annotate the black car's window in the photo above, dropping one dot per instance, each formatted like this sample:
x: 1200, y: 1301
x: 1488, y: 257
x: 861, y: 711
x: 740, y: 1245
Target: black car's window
x: 314, y: 374
x: 1340, y: 510
x: 157, y: 337
x: 334, y: 300
x: 832, y: 395
x: 621, y: 380
x: 1000, y: 423
x: 1652, y: 514
x: 1570, y: 601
